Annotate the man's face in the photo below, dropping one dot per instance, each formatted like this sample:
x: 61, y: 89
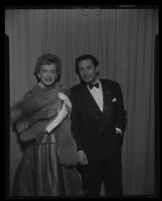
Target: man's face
x: 48, y: 74
x: 88, y: 71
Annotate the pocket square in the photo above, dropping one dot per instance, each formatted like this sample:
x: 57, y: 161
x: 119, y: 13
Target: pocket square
x: 114, y: 99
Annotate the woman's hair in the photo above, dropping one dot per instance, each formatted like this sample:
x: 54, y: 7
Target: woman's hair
x: 47, y: 59
x: 85, y: 57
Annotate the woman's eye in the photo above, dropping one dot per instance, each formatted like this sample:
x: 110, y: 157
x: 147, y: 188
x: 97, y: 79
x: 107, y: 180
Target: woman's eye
x: 43, y: 71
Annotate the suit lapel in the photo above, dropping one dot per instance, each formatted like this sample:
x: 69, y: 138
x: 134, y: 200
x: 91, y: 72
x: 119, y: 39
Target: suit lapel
x: 91, y: 107
x: 89, y: 101
x: 106, y: 96
x: 107, y: 105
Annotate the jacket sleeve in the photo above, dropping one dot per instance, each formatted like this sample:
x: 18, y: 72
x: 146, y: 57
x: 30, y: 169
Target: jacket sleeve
x: 75, y: 121
x: 121, y: 113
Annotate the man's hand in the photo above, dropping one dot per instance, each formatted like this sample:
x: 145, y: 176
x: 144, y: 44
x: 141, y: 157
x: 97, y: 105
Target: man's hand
x: 118, y: 131
x: 82, y: 158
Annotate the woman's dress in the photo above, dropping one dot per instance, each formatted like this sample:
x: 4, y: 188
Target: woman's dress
x: 39, y: 172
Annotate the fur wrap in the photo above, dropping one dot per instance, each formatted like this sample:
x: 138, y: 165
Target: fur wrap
x: 31, y: 115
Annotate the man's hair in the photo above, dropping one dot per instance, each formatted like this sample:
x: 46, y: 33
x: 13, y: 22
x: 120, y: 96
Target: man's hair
x: 85, y: 57
x: 47, y: 59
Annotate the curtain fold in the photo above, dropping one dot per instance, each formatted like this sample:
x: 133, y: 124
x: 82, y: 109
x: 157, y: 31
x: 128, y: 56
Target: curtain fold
x: 123, y: 42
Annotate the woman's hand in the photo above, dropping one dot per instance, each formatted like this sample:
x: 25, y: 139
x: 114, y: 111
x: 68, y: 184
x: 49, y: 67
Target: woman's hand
x: 66, y: 101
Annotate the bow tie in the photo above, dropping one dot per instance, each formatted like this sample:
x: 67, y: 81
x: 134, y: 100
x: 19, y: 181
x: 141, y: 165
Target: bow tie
x: 93, y: 85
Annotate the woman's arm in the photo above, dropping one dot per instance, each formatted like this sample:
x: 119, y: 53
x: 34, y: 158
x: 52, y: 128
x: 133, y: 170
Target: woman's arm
x: 62, y: 114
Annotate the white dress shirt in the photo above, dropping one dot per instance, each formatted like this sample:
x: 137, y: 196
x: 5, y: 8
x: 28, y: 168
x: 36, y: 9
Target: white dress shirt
x: 97, y: 94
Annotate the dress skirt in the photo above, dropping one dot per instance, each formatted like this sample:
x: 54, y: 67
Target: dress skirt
x: 40, y: 174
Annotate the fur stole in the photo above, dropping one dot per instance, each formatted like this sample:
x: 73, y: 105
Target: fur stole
x: 31, y: 115
x: 66, y: 145
x: 35, y: 99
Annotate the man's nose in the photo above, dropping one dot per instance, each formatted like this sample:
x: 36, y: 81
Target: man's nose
x: 85, y: 72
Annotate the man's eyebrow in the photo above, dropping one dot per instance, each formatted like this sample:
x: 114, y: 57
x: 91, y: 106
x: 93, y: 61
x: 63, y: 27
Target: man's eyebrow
x: 85, y: 66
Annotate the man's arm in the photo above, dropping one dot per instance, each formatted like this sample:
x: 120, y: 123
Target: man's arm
x: 75, y: 121
x: 121, y: 113
x: 82, y: 158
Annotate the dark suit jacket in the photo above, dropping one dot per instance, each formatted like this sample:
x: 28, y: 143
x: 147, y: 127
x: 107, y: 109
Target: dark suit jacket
x: 94, y: 130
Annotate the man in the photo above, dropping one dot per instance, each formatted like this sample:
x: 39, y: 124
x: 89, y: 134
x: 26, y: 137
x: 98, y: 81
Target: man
x: 98, y: 123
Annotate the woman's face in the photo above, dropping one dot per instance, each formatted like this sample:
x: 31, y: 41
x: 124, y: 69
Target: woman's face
x: 48, y: 74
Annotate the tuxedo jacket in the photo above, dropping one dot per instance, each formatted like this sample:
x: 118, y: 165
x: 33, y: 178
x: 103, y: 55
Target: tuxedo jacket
x: 94, y: 130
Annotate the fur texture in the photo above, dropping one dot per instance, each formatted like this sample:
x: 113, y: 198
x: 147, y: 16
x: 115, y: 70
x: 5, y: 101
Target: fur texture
x: 32, y: 114
x: 66, y: 149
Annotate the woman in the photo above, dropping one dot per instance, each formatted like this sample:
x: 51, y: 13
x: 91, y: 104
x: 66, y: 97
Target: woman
x: 41, y: 119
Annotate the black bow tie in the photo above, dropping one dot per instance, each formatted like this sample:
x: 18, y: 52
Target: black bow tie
x: 93, y: 85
